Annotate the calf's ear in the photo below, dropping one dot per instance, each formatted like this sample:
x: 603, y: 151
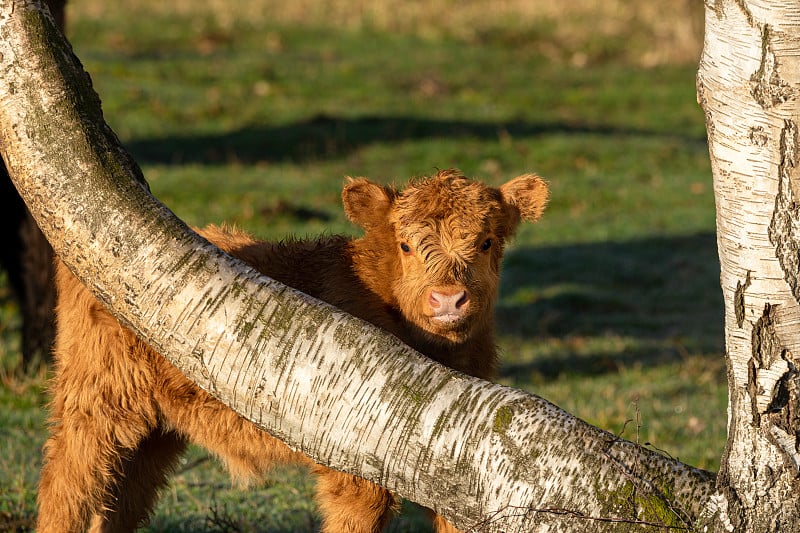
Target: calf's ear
x: 366, y: 203
x: 528, y: 194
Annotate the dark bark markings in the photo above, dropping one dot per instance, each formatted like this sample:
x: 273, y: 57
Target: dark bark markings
x: 767, y: 86
x: 781, y: 405
x: 774, y: 388
x: 784, y: 229
x: 738, y: 299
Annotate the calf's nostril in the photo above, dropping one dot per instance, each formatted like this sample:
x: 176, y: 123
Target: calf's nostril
x: 462, y: 300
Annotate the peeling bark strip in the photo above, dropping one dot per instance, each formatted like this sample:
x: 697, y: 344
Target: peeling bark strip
x: 784, y: 228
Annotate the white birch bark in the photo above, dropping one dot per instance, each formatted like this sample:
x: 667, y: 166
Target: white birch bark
x: 749, y: 87
x: 485, y: 456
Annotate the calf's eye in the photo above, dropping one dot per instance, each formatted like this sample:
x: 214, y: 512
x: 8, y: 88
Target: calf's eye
x: 486, y: 245
x: 405, y: 247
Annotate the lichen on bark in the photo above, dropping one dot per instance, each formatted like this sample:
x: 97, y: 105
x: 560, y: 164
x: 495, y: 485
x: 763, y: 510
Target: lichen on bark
x: 82, y: 100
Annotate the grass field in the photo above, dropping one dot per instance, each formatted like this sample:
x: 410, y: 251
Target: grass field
x: 253, y: 112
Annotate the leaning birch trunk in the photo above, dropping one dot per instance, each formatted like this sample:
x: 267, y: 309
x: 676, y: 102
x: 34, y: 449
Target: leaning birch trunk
x: 484, y: 456
x: 749, y: 87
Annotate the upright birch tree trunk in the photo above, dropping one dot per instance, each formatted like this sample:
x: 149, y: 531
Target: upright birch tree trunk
x: 749, y: 87
x: 349, y: 396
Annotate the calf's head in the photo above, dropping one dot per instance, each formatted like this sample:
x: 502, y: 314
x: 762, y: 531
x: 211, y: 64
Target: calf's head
x: 438, y: 244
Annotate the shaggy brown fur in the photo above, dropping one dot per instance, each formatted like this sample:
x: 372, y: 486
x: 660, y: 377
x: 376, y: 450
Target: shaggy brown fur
x: 426, y: 270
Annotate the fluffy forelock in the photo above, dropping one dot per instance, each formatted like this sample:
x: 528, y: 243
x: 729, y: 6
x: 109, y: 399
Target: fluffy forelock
x: 447, y: 198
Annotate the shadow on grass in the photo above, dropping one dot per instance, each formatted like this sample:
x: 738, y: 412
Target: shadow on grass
x: 328, y: 137
x: 650, y: 301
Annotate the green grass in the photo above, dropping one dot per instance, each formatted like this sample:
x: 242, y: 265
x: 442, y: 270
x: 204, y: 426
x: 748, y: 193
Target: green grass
x: 610, y: 306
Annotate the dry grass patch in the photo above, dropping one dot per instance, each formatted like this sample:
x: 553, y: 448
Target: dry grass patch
x: 578, y: 32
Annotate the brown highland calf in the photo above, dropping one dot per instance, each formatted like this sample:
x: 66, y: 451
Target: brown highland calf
x: 426, y: 270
